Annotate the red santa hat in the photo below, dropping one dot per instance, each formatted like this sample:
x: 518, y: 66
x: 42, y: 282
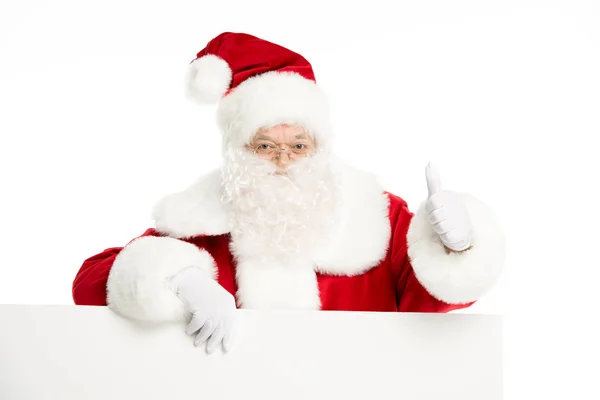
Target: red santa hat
x: 257, y: 84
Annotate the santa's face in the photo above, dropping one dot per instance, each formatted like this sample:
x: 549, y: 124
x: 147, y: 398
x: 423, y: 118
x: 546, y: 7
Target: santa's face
x: 282, y: 145
x: 282, y: 201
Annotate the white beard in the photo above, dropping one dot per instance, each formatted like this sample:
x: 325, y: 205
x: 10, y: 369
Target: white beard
x: 278, y: 224
x: 283, y: 216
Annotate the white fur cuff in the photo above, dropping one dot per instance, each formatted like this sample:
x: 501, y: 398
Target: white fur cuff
x: 457, y: 278
x: 138, y: 287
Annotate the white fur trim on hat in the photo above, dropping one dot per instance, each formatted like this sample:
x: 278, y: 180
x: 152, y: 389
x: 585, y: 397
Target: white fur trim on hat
x: 208, y: 79
x: 457, y: 278
x: 270, y: 99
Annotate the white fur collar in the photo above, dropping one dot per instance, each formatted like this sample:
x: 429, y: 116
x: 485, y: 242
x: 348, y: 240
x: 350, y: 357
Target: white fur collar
x: 359, y: 243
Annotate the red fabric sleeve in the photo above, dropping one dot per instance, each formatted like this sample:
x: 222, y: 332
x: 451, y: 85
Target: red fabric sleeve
x: 89, y: 285
x: 411, y: 295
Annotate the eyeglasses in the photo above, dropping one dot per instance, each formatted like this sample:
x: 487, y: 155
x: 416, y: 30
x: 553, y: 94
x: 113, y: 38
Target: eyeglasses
x: 270, y: 150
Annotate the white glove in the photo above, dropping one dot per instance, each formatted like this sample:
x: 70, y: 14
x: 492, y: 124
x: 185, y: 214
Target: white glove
x: 447, y: 213
x: 213, y: 308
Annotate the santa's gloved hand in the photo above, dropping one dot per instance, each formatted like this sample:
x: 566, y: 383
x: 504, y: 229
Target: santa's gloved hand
x: 213, y: 308
x: 448, y: 214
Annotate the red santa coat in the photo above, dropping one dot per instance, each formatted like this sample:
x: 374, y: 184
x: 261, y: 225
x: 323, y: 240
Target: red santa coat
x: 382, y: 258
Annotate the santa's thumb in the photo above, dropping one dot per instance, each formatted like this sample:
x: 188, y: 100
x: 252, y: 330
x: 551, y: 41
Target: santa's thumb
x: 434, y: 183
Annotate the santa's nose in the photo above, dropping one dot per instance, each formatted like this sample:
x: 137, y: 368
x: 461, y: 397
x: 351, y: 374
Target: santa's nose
x: 283, y: 159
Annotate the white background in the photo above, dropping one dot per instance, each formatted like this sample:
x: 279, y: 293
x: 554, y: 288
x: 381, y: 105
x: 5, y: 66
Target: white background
x: 503, y: 96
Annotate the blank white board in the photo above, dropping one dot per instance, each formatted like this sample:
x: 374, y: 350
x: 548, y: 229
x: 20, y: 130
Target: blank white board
x: 76, y: 353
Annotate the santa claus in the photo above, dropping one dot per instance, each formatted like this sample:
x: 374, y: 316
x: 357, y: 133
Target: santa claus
x: 283, y: 224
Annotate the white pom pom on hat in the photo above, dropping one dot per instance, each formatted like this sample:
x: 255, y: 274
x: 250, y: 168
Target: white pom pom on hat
x: 209, y: 79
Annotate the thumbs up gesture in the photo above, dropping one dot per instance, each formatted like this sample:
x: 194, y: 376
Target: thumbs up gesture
x: 447, y: 214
